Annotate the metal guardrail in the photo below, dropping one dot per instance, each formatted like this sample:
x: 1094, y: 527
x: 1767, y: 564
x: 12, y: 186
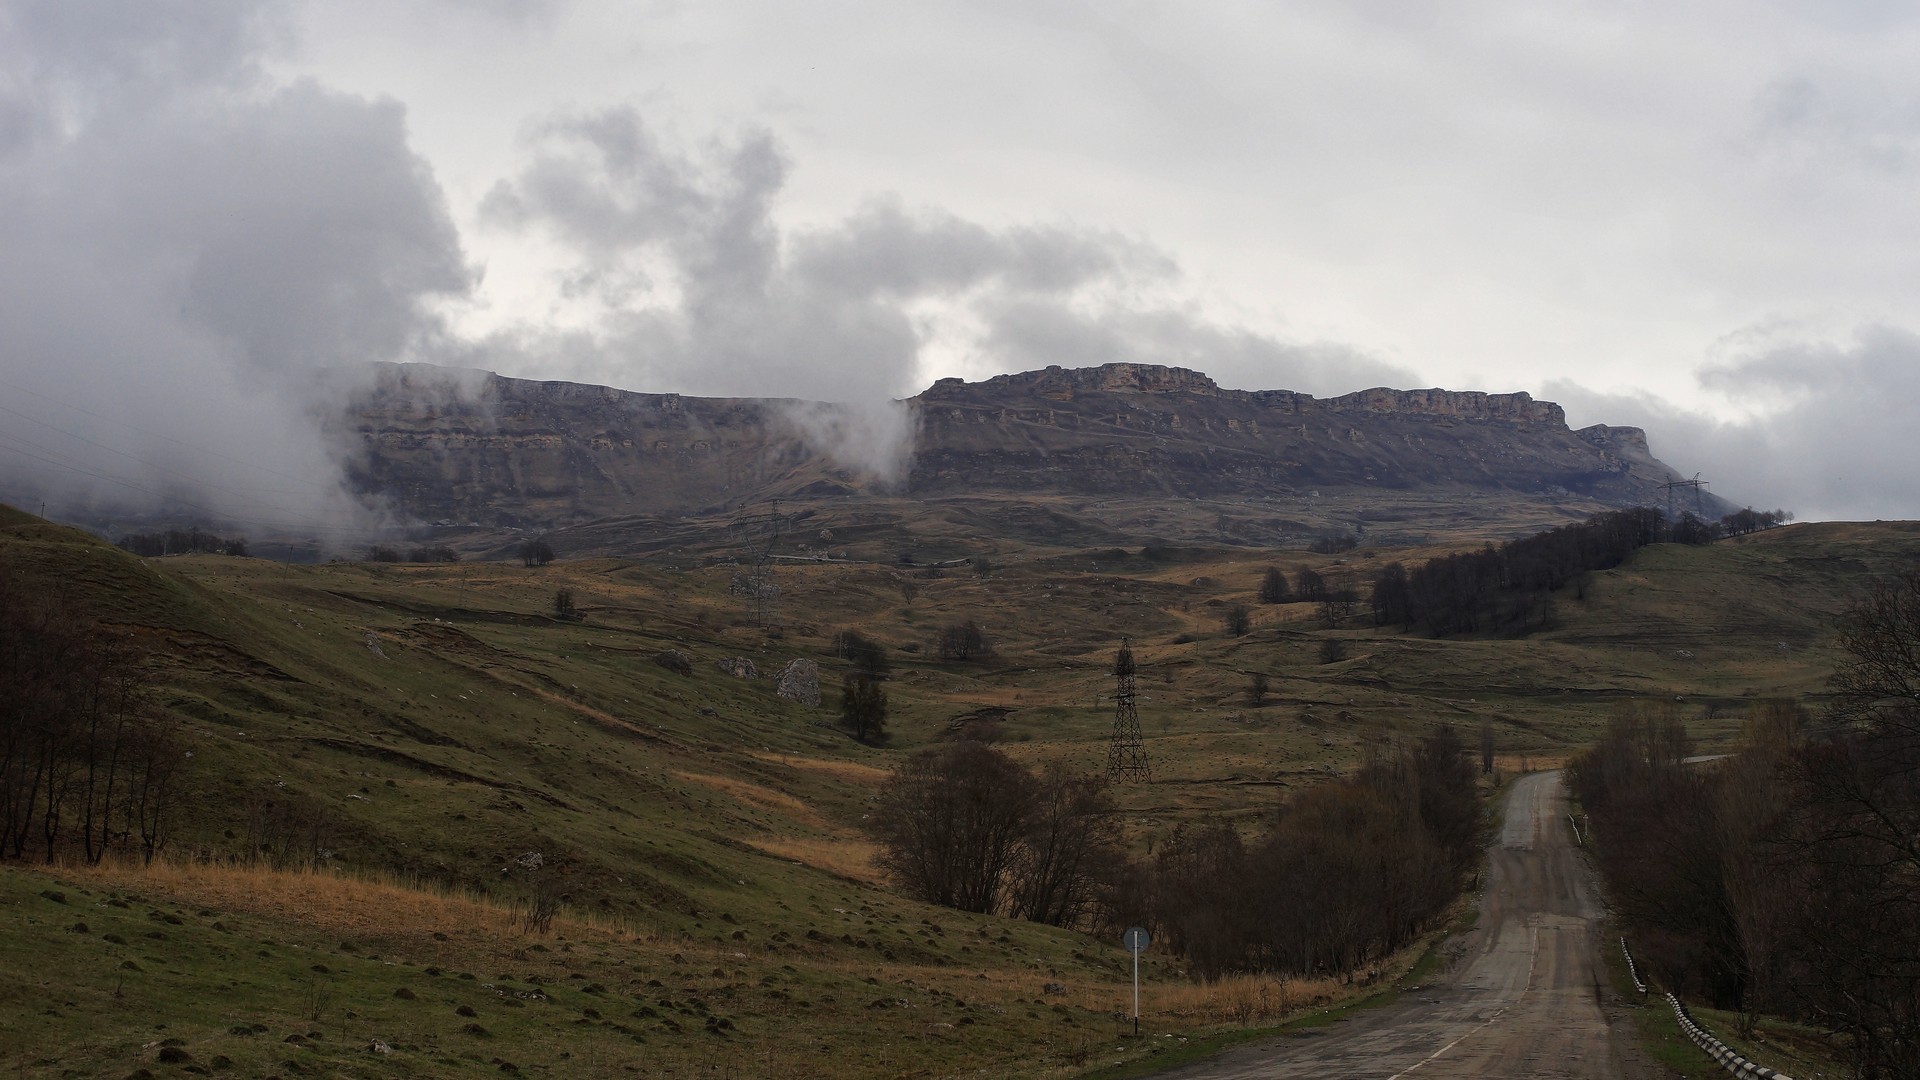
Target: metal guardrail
x: 1633, y: 969
x: 1719, y: 1051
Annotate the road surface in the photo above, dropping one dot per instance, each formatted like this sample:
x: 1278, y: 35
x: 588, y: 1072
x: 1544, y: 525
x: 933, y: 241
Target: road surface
x: 1524, y: 997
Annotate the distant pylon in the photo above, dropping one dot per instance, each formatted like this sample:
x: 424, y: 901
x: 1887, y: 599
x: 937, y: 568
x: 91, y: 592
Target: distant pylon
x: 1696, y: 484
x: 1126, y: 755
x: 761, y: 534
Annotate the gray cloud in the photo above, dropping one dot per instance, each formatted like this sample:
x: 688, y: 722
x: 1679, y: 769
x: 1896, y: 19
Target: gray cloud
x: 1831, y: 435
x: 188, y: 247
x: 706, y: 294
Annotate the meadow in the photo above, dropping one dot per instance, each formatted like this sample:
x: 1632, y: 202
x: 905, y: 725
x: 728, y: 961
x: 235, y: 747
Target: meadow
x: 398, y: 770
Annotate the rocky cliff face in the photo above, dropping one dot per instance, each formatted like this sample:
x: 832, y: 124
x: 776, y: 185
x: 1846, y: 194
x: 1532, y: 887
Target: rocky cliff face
x: 479, y: 447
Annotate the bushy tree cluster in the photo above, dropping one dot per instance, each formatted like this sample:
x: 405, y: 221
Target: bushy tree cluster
x: 1334, y: 544
x: 1748, y: 520
x: 965, y: 826
x: 964, y: 641
x: 535, y: 552
x: 1350, y: 870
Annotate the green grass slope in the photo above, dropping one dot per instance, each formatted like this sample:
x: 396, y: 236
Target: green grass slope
x: 436, y: 727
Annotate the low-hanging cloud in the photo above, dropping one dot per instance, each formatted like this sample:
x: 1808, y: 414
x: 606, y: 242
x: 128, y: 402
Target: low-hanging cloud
x: 189, y: 246
x: 702, y: 291
x: 1828, y: 432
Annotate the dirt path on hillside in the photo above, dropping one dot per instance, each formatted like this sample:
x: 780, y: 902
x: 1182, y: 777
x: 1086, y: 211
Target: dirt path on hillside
x: 1525, y: 996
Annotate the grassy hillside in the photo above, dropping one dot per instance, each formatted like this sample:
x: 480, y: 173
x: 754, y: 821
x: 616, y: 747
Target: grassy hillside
x: 422, y: 750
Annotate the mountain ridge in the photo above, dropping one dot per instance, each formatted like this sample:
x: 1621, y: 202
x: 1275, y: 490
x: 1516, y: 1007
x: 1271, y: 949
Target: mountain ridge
x: 478, y: 447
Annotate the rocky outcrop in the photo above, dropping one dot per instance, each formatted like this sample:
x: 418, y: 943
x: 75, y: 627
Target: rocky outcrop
x: 475, y: 447
x: 800, y: 682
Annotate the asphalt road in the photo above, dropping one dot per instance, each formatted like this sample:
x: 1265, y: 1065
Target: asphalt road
x: 1524, y: 995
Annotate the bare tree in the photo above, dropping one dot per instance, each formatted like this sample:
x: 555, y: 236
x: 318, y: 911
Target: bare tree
x: 1237, y: 620
x: 949, y: 822
x: 863, y: 707
x: 964, y: 641
x: 1257, y: 689
x: 1878, y: 682
x: 1070, y: 847
x: 535, y: 552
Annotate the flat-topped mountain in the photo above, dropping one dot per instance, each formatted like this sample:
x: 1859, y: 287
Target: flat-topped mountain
x: 469, y: 446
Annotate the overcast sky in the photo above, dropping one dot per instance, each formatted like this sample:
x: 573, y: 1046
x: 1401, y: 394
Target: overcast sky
x: 1699, y: 217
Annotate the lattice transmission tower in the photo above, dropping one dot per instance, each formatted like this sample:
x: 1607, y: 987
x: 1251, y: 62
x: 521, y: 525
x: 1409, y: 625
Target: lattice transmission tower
x: 1696, y: 484
x: 1126, y: 754
x: 759, y: 534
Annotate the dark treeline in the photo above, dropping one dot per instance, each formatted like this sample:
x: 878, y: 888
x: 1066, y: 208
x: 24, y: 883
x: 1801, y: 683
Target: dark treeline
x: 1345, y: 873
x: 1349, y: 871
x: 192, y: 541
x: 1508, y: 589
x: 1785, y: 879
x: 432, y: 553
x: 86, y: 762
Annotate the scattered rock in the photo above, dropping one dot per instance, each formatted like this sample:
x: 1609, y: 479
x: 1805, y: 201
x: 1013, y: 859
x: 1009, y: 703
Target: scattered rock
x: 739, y: 667
x: 379, y: 1046
x: 675, y: 661
x: 1053, y: 988
x: 800, y: 681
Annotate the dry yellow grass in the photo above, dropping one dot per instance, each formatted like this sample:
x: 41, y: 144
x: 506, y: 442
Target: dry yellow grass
x: 757, y: 795
x: 851, y: 772
x: 847, y: 858
x: 1244, y: 999
x: 335, y: 902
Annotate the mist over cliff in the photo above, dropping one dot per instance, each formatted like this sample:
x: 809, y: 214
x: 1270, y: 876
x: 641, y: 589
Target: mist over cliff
x: 496, y: 451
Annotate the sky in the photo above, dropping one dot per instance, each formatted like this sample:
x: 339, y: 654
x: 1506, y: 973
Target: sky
x: 1698, y: 218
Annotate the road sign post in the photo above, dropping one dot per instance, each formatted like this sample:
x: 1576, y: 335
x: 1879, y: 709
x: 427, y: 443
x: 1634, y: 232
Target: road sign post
x: 1135, y: 941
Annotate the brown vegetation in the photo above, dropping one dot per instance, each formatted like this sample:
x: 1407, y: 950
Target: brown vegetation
x: 1787, y: 879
